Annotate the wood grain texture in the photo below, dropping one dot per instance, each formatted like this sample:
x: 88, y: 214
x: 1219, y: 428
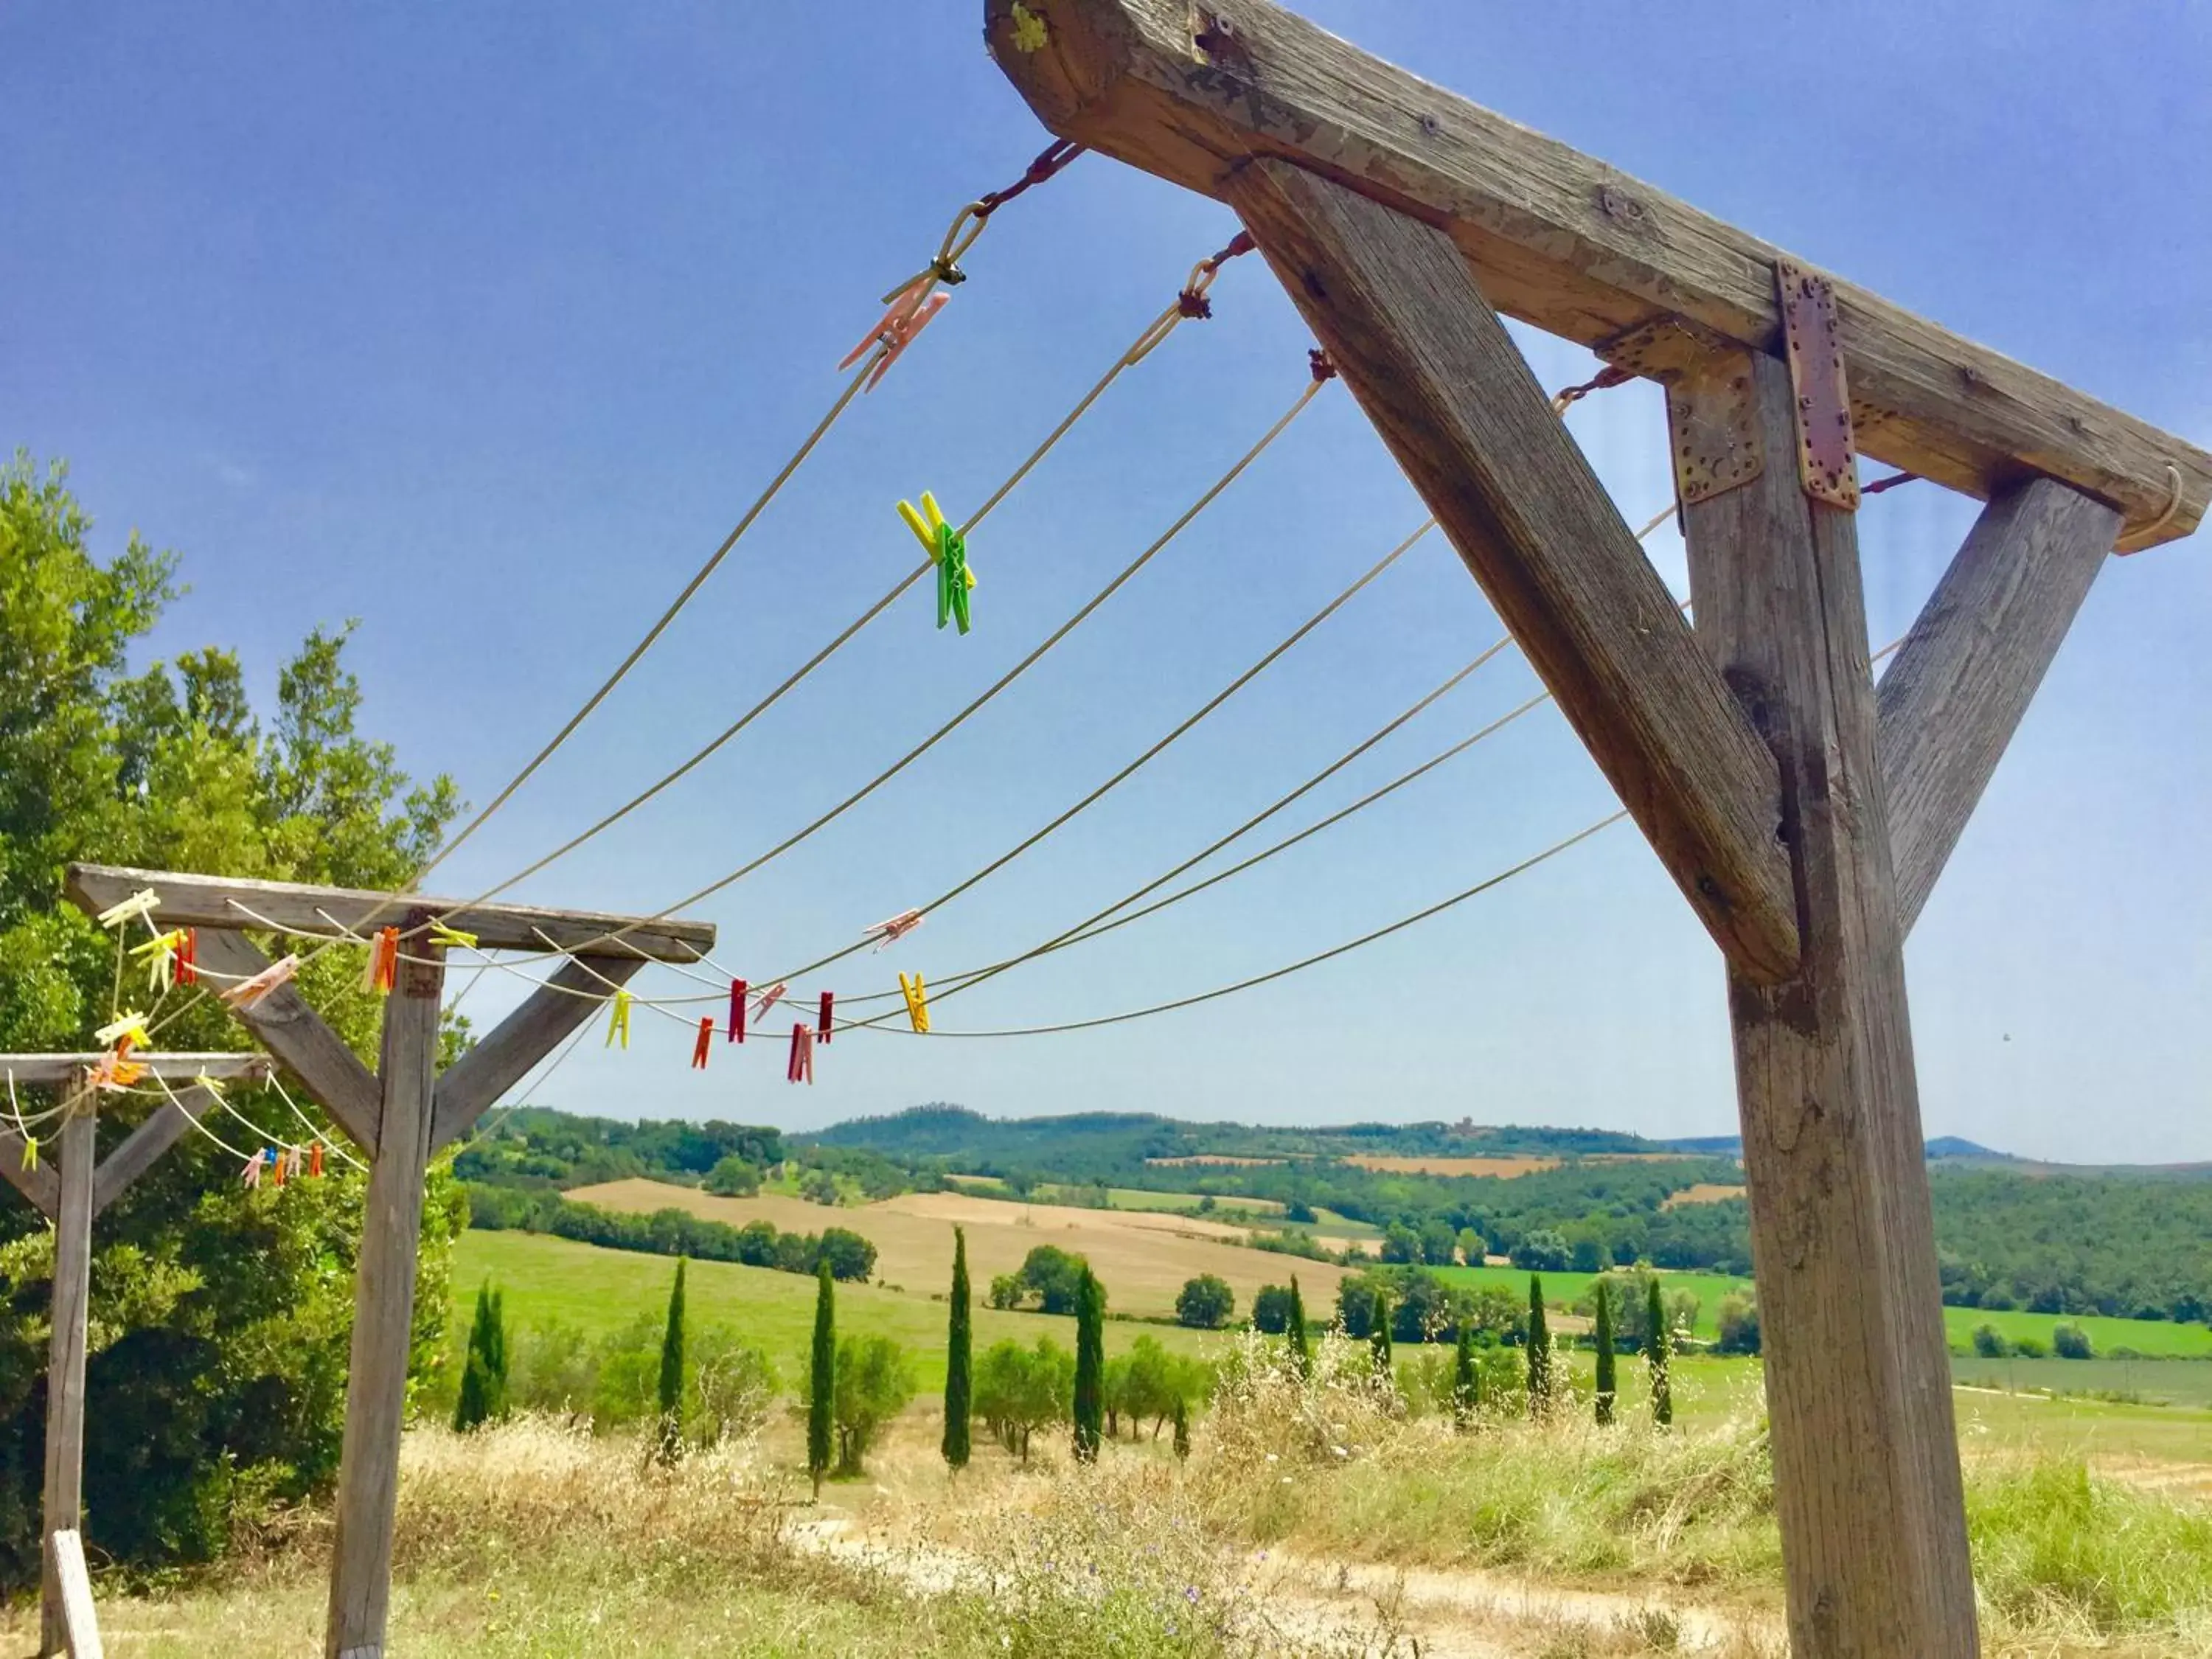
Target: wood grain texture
x: 1858, y: 1384
x: 217, y: 902
x: 62, y: 1507
x: 1950, y: 703
x: 166, y: 1125
x: 65, y: 1564
x: 521, y: 1040
x: 49, y: 1071
x: 41, y: 1186
x: 1445, y: 386
x: 1189, y: 91
x: 285, y: 1024
x: 384, y: 1311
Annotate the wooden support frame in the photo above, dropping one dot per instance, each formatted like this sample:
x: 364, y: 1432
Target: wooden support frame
x: 69, y: 1193
x: 1805, y: 818
x: 1193, y: 90
x: 399, y: 1114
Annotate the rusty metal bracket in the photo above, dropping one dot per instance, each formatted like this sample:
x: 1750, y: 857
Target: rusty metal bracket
x: 1713, y: 434
x: 1827, y: 459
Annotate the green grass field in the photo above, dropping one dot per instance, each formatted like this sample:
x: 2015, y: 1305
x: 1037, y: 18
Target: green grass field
x: 2155, y: 1337
x: 552, y: 1280
x: 1562, y: 1289
x: 2186, y: 1382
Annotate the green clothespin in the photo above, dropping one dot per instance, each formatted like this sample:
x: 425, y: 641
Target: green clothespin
x: 948, y: 550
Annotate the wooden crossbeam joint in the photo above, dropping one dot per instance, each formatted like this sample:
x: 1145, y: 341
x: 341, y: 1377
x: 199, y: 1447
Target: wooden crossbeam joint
x: 1821, y: 399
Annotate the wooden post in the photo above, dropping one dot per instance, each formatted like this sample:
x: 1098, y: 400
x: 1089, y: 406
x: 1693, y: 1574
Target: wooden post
x: 384, y: 1309
x: 64, y: 1567
x: 1858, y: 1385
x: 64, y: 1509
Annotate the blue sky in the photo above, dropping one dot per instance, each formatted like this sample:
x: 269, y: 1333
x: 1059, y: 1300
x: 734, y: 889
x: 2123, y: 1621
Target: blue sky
x: 482, y: 325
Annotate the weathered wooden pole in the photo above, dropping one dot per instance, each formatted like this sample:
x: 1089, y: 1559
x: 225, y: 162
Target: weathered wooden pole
x: 1858, y: 1382
x: 384, y: 1305
x: 64, y: 1502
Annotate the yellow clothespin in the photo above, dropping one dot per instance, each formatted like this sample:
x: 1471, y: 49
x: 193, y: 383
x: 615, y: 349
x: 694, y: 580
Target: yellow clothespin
x: 30, y: 1152
x: 948, y: 550
x: 618, y: 1025
x: 209, y: 1084
x: 144, y: 903
x: 161, y: 955
x: 917, y: 1002
x: 130, y: 1027
x: 452, y: 938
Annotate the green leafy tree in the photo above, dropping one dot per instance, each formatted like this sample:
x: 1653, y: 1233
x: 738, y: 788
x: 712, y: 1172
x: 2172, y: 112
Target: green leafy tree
x: 1738, y: 1322
x: 1601, y: 1332
x: 1056, y: 1276
x: 483, y: 1396
x: 2071, y: 1342
x: 218, y: 1349
x: 732, y: 1177
x: 1205, y: 1302
x: 822, y: 1379
x: 1659, y: 1350
x: 1466, y: 1379
x: 1089, y: 1401
x: 1378, y: 1332
x: 670, y: 1434
x: 1270, y: 1309
x: 959, y: 1340
x: 1301, y: 1339
x: 1020, y: 1390
x: 1539, y: 1350
x: 874, y: 1385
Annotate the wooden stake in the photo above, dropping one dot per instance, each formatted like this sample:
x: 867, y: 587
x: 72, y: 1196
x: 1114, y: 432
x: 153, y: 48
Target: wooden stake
x: 64, y: 1509
x: 1858, y: 1386
x: 64, y: 1567
x: 384, y: 1311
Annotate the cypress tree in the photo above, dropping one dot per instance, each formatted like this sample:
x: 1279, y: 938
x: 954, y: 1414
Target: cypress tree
x: 821, y: 1402
x: 1602, y: 1332
x: 1378, y: 1335
x: 959, y: 1342
x: 1658, y: 1350
x: 671, y: 1374
x: 483, y: 1375
x: 1182, y: 1429
x: 1090, y: 1366
x: 1467, y: 1380
x: 1301, y: 1344
x: 1539, y: 1350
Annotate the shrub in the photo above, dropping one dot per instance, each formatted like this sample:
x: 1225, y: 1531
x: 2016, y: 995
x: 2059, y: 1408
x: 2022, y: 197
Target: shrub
x: 1205, y: 1302
x: 1738, y: 1322
x: 1989, y: 1342
x: 1270, y: 1309
x: 2071, y: 1342
x: 732, y: 1177
x: 484, y: 1393
x: 874, y: 1384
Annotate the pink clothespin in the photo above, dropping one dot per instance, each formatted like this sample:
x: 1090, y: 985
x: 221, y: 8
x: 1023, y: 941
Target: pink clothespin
x: 249, y: 992
x: 769, y: 998
x: 892, y: 931
x: 822, y: 1016
x: 908, y: 315
x: 801, y: 1066
x: 251, y: 1176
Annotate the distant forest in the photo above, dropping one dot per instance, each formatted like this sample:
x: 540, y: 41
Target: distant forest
x: 2135, y: 1246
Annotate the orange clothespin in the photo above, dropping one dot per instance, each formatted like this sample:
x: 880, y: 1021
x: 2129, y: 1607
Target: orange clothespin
x: 188, y: 959
x: 381, y: 972
x: 282, y: 1167
x: 252, y: 992
x: 699, y: 1049
x: 800, y: 1069
x: 911, y: 309
x: 315, y: 1160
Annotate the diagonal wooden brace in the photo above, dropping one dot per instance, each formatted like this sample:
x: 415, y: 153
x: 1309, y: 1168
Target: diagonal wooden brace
x: 1952, y: 700
x: 1436, y: 371
x: 285, y: 1024
x: 573, y: 995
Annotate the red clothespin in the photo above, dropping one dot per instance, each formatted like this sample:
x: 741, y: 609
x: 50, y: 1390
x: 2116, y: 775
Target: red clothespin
x: 706, y: 1040
x: 315, y: 1160
x: 821, y: 1018
x: 736, y: 1010
x: 801, y: 1066
x: 188, y: 959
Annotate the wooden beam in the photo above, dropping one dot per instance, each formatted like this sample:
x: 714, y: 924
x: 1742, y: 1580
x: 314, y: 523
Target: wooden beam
x: 384, y: 1307
x: 1190, y: 91
x: 40, y: 1185
x: 1951, y: 702
x: 521, y: 1040
x: 51, y: 1071
x: 191, y: 901
x: 1444, y: 384
x: 1858, y: 1385
x: 65, y: 1558
x: 166, y: 1125
x: 63, y: 1508
x: 291, y: 1030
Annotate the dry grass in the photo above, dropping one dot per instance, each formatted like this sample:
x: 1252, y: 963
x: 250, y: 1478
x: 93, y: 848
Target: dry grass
x: 1705, y: 1192
x: 1507, y: 1167
x: 1145, y: 1257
